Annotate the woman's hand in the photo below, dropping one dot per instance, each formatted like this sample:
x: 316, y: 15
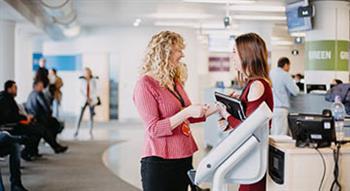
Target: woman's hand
x: 196, y: 111
x: 235, y: 95
x: 222, y: 124
x: 211, y: 109
x: 222, y: 110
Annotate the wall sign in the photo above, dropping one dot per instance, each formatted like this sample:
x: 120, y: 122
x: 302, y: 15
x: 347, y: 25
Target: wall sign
x: 219, y: 64
x: 329, y: 55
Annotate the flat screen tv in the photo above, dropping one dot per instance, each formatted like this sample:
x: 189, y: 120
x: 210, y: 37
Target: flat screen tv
x: 294, y: 22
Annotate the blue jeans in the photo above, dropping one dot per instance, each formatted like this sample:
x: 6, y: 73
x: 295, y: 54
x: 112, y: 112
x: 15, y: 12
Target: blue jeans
x: 8, y: 146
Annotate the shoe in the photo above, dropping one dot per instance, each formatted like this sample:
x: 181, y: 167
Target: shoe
x: 18, y: 187
x: 37, y: 155
x: 202, y: 189
x: 27, y: 157
x: 61, y: 149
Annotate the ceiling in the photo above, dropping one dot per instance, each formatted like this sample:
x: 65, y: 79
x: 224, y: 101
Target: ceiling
x: 91, y: 14
x: 122, y: 13
x: 8, y: 13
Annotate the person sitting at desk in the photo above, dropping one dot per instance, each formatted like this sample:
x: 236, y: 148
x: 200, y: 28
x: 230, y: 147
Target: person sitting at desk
x: 250, y: 58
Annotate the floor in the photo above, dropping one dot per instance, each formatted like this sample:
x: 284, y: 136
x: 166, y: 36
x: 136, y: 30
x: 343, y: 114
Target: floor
x: 119, y: 153
x: 123, y: 158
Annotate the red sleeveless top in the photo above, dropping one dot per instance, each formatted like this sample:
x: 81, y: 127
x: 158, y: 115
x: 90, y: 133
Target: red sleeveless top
x: 250, y: 107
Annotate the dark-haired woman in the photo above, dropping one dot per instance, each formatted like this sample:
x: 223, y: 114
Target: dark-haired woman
x: 250, y: 58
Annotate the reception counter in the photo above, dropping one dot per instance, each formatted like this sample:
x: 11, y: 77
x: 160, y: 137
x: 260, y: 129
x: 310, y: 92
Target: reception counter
x: 301, y: 169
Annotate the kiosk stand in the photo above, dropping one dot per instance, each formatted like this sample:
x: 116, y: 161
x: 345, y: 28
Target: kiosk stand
x: 241, y: 157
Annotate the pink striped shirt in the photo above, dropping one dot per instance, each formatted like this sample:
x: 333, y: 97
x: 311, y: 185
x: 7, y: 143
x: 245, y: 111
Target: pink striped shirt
x: 156, y: 105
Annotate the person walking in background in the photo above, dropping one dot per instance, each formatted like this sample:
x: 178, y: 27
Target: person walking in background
x: 42, y: 74
x: 89, y: 92
x: 167, y: 113
x: 250, y: 58
x: 56, y: 84
x: 283, y: 86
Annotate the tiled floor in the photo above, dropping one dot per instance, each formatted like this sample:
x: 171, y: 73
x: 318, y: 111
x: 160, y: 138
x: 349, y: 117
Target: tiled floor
x: 123, y: 158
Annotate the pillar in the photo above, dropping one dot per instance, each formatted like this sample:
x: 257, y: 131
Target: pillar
x: 327, y: 44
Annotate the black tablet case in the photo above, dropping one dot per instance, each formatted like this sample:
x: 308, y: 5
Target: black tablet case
x: 233, y: 105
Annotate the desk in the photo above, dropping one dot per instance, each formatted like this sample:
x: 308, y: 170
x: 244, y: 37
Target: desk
x: 303, y: 168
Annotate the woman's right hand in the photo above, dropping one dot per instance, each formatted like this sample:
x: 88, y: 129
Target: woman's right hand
x: 234, y: 95
x: 196, y: 111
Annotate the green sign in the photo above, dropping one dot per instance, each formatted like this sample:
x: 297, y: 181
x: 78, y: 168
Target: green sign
x: 329, y: 55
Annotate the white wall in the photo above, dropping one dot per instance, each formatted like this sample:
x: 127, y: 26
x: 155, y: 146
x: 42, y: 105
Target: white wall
x: 297, y: 61
x: 130, y: 45
x: 23, y: 63
x: 7, y: 51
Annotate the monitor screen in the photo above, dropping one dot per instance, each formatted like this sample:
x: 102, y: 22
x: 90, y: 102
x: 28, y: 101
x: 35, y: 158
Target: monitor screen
x: 313, y: 87
x: 311, y: 128
x: 294, y: 22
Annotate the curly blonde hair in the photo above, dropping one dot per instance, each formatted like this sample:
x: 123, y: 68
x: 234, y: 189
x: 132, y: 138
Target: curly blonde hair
x: 158, y: 55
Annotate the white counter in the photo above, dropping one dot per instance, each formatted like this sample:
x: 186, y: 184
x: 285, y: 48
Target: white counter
x: 303, y: 168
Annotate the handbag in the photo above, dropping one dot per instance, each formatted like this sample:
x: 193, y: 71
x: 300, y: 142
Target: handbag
x: 98, y: 101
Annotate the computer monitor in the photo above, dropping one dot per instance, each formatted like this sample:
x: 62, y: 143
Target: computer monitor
x: 309, y: 129
x: 311, y: 87
x: 295, y: 22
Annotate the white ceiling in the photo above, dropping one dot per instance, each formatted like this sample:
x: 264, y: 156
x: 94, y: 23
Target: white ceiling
x: 207, y: 16
x: 8, y: 13
x: 121, y: 13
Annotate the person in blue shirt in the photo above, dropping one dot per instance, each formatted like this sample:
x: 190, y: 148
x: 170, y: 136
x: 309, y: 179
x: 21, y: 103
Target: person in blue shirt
x: 283, y: 87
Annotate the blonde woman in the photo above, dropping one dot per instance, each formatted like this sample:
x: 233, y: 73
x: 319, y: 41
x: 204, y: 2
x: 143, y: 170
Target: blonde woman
x: 89, y: 92
x: 167, y: 113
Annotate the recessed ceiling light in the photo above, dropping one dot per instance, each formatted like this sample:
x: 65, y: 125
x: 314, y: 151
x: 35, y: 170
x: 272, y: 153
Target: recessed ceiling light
x: 137, y: 22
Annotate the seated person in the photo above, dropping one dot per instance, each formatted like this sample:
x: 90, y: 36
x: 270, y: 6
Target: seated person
x: 336, y: 82
x: 24, y: 125
x: 38, y: 106
x: 299, y: 81
x: 18, y: 124
x: 9, y: 146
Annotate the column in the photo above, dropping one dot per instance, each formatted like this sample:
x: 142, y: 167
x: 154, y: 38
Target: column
x: 327, y: 45
x: 7, y: 51
x: 23, y: 62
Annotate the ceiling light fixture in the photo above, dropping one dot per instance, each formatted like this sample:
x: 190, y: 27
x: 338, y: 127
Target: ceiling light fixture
x: 72, y: 31
x: 221, y: 1
x: 137, y: 22
x: 298, y: 34
x: 195, y: 25
x: 260, y: 17
x: 180, y: 16
x: 258, y: 8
